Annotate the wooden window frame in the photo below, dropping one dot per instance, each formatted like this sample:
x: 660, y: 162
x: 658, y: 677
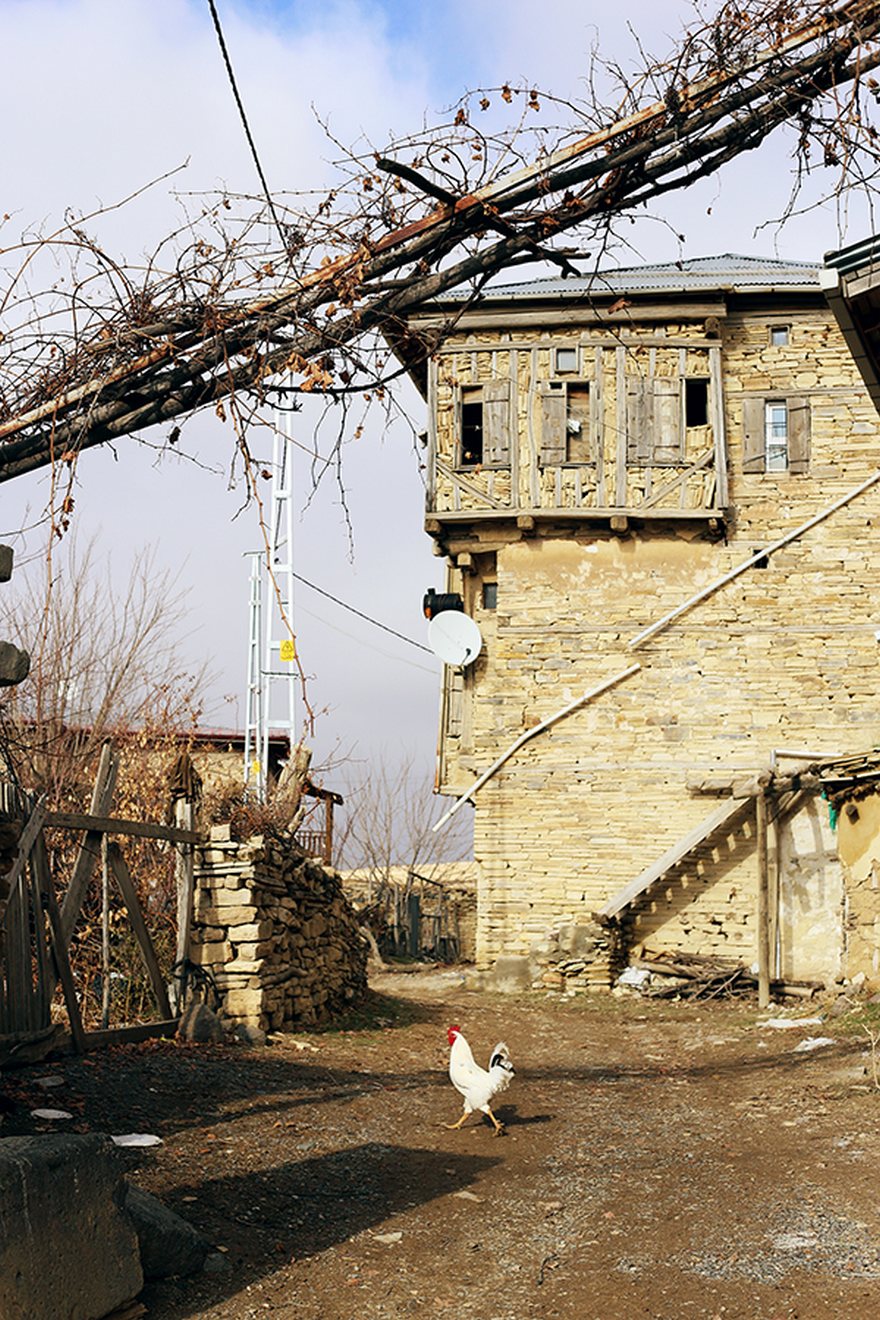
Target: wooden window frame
x: 567, y: 371
x: 560, y: 389
x: 504, y: 403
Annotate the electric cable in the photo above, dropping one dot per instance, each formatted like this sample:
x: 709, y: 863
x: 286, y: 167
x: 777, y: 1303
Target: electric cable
x: 244, y: 119
x: 366, y: 617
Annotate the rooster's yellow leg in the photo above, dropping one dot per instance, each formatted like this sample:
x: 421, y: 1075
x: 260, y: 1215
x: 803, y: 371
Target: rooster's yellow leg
x: 453, y: 1127
x: 499, y: 1127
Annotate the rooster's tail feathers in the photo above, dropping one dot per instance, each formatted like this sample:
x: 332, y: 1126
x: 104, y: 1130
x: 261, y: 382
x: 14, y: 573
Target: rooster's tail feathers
x: 500, y: 1058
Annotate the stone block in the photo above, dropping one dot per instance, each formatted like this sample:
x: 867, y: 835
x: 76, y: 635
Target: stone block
x: 14, y: 665
x: 66, y: 1246
x: 169, y: 1245
x: 511, y: 974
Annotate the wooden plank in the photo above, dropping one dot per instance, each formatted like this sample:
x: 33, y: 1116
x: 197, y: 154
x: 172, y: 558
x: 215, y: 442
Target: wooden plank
x: 719, y: 435
x: 183, y: 813
x: 59, y: 946
x: 102, y: 797
x: 620, y: 493
x: 99, y: 1040
x: 462, y: 482
x: 19, y: 982
x: 590, y: 513
x: 679, y: 479
x: 722, y: 815
x: 571, y: 315
x: 763, y: 905
x: 431, y: 456
x: 74, y: 820
x: 42, y: 1004
x: 597, y: 423
x: 607, y: 343
x: 25, y: 844
x: 116, y: 862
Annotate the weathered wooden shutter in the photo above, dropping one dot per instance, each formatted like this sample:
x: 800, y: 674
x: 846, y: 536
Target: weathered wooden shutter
x: 456, y: 422
x: 798, y: 435
x: 553, y: 447
x: 497, y: 422
x: 754, y: 435
x: 639, y: 421
x: 667, y: 419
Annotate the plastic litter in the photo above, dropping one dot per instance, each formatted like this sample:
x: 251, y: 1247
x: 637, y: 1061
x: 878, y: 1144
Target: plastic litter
x: 791, y: 1024
x: 139, y: 1139
x: 813, y: 1043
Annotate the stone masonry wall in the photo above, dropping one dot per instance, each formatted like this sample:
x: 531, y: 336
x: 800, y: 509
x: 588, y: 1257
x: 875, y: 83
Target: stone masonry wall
x: 784, y: 656
x: 276, y: 931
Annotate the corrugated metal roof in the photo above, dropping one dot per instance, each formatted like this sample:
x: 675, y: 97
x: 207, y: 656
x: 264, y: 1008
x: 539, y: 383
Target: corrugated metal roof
x: 728, y: 273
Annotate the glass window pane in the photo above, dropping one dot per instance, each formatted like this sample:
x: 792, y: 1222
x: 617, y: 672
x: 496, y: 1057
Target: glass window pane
x: 566, y: 360
x: 776, y: 436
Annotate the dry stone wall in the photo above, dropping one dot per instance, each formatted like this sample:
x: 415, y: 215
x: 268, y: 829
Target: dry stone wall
x: 276, y: 931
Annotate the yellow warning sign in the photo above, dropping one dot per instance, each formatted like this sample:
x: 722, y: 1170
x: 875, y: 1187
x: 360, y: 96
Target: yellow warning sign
x: 287, y: 649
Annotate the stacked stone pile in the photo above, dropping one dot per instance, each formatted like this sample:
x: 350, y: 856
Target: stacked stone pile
x: 580, y: 957
x: 276, y: 932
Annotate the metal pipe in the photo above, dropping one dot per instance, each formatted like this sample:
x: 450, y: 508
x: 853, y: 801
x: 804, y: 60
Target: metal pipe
x: 531, y: 733
x: 669, y: 618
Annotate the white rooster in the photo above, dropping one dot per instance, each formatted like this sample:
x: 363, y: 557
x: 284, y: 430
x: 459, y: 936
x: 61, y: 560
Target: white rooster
x: 475, y: 1084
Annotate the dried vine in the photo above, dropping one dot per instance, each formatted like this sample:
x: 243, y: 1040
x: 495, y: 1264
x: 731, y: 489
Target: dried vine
x: 107, y: 349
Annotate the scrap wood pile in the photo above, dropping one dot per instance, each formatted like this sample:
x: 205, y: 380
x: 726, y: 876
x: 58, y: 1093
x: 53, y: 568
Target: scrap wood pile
x: 696, y: 976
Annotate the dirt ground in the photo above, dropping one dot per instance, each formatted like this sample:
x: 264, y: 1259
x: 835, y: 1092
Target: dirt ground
x: 661, y: 1160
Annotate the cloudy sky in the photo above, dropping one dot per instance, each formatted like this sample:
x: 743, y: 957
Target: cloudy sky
x: 99, y: 96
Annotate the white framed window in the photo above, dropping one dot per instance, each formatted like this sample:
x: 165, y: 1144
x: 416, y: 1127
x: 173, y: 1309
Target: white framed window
x: 779, y: 336
x: 776, y: 435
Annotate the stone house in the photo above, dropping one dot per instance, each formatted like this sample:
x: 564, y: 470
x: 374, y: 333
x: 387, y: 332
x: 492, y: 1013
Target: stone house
x: 655, y: 490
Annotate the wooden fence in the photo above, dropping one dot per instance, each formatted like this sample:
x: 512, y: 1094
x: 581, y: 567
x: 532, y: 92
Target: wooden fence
x: 418, y: 919
x: 36, y: 930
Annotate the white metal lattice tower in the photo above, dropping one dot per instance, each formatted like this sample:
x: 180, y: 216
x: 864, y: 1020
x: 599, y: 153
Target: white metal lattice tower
x: 272, y: 672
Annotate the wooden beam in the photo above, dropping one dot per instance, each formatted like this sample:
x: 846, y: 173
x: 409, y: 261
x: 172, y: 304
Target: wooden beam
x: 25, y: 844
x: 763, y: 903
x: 89, y: 850
x: 63, y: 970
x: 98, y: 1040
x: 183, y: 812
x: 75, y: 820
x: 117, y: 865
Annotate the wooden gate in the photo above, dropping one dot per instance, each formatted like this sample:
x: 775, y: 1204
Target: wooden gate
x: 36, y: 930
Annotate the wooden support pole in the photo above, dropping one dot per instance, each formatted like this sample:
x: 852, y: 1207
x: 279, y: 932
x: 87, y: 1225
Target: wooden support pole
x: 105, y: 936
x: 59, y: 946
x: 117, y: 865
x: 763, y: 904
x: 90, y: 848
x: 183, y: 815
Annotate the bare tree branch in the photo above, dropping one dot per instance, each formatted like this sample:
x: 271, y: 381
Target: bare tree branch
x: 120, y: 350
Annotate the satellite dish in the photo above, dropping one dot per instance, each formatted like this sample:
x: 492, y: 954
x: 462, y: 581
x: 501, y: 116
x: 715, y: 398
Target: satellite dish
x: 454, y: 638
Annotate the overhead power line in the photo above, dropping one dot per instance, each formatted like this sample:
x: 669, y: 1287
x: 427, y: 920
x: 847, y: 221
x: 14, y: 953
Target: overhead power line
x: 244, y: 119
x: 351, y: 609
